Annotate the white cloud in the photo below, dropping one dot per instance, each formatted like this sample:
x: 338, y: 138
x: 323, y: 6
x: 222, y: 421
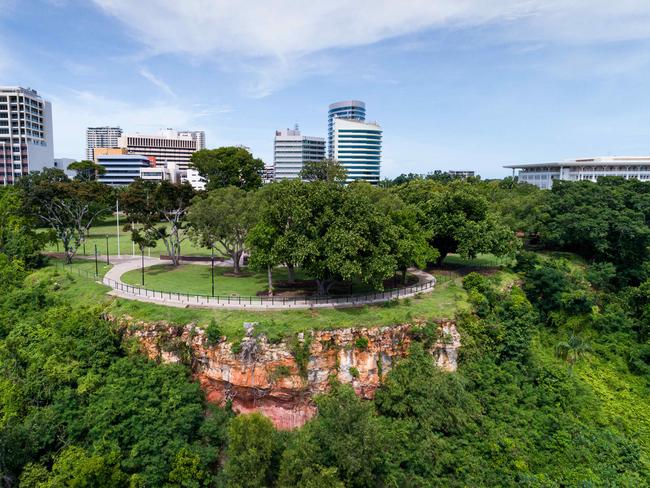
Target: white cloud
x: 157, y: 82
x: 76, y: 110
x: 284, y: 29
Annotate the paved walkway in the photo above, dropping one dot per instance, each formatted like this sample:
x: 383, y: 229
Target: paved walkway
x: 121, y: 265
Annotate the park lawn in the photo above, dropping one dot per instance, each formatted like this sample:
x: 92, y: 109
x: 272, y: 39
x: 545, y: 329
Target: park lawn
x: 75, y: 282
x: 443, y: 302
x: 481, y: 260
x: 98, y: 233
x: 195, y: 279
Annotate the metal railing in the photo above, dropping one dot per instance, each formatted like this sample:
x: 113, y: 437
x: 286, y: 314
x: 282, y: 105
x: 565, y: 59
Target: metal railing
x: 238, y: 301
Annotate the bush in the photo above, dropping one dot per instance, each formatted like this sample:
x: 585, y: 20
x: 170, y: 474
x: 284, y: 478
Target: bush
x: 213, y: 333
x: 361, y: 343
x: 280, y: 371
x: 354, y: 372
x: 474, y: 281
x: 236, y: 347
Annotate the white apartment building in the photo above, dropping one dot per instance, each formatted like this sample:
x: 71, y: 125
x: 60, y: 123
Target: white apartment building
x: 291, y: 150
x: 357, y: 146
x: 543, y: 174
x: 26, y: 138
x: 104, y: 137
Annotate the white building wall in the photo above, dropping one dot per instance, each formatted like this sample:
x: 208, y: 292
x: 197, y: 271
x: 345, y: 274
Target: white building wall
x: 291, y: 150
x: 357, y: 146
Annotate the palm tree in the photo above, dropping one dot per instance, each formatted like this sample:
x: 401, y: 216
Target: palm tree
x: 572, y: 350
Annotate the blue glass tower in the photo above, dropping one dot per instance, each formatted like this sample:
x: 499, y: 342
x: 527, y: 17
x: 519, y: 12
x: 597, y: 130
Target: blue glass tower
x: 348, y: 109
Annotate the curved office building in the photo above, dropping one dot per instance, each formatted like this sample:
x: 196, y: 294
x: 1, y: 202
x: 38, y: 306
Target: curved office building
x: 357, y: 146
x: 348, y: 109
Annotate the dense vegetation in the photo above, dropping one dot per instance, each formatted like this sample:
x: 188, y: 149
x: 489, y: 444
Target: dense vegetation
x: 552, y: 387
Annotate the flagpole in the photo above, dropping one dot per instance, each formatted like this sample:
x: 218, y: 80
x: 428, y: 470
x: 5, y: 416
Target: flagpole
x: 117, y: 206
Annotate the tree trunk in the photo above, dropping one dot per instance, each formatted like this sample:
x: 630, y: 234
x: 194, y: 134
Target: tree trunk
x: 236, y: 256
x: 269, y: 272
x: 441, y: 258
x: 291, y: 275
x: 321, y: 287
x: 403, y: 276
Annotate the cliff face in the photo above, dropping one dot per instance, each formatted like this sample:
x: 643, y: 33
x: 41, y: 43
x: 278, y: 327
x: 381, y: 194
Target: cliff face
x: 280, y: 380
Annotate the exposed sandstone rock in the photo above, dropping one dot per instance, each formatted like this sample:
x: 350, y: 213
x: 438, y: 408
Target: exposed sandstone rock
x: 266, y: 377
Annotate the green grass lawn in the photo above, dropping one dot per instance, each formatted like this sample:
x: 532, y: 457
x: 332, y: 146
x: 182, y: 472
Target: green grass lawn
x: 481, y: 260
x: 444, y: 302
x: 108, y: 228
x: 195, y: 279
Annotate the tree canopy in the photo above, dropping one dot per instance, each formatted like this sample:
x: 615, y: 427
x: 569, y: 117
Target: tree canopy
x: 160, y: 209
x: 228, y: 166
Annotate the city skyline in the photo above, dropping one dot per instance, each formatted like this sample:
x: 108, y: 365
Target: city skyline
x: 472, y: 86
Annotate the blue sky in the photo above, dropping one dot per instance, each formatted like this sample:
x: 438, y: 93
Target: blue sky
x: 456, y: 84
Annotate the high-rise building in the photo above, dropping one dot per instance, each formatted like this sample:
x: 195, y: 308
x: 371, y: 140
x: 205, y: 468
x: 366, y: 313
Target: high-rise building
x: 348, y: 109
x: 121, y: 169
x: 100, y: 137
x: 26, y: 139
x: 291, y: 150
x: 357, y: 146
x: 167, y: 146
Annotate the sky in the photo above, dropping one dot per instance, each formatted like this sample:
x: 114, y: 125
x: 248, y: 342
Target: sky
x: 455, y: 84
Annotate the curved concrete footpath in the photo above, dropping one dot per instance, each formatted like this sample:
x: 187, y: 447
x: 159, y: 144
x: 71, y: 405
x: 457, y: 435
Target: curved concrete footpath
x: 113, y: 278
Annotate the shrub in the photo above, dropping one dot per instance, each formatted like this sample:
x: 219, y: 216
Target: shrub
x: 300, y: 351
x: 354, y: 372
x: 213, y: 333
x: 280, y: 371
x: 361, y: 343
x: 236, y: 347
x: 474, y: 281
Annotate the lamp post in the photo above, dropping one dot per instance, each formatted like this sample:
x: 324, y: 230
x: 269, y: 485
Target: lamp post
x: 117, y: 208
x: 142, y: 267
x: 107, y: 258
x: 96, y: 264
x: 212, y: 268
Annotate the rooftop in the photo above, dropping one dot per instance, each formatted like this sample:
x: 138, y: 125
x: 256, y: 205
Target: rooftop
x: 593, y: 161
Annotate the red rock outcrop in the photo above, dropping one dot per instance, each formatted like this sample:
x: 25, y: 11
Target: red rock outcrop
x: 268, y: 378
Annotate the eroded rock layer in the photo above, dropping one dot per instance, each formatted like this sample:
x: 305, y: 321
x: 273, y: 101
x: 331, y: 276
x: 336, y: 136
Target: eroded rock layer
x: 281, y: 379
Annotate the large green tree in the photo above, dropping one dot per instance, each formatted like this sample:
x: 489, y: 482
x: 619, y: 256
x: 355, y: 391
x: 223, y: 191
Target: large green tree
x: 18, y: 239
x: 349, y: 237
x: 86, y: 170
x: 282, y: 233
x: 459, y: 219
x: 160, y: 210
x: 69, y: 208
x: 228, y: 166
x: 224, y: 216
x: 252, y: 446
x: 603, y: 221
x: 324, y: 170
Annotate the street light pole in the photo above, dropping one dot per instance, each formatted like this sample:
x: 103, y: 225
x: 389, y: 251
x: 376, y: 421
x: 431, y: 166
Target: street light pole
x: 117, y: 207
x: 142, y: 267
x: 107, y: 258
x: 212, y: 269
x: 96, y: 264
